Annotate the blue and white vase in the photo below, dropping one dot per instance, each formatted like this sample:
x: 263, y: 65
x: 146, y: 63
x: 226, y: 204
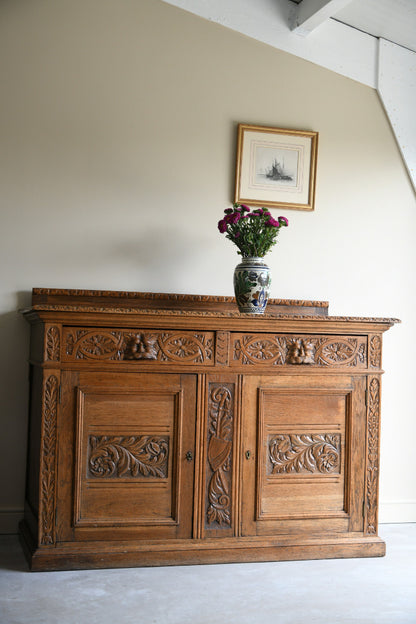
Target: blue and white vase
x: 252, y: 281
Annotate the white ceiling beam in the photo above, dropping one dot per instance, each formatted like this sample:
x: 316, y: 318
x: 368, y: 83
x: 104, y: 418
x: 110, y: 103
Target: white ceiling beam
x: 341, y: 49
x: 310, y: 14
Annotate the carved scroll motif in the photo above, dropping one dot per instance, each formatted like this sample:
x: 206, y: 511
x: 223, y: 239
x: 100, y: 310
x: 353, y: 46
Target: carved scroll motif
x: 372, y: 455
x: 131, y: 456
x: 375, y: 351
x: 259, y: 349
x: 220, y: 435
x: 48, y: 462
x: 53, y: 344
x: 311, y: 350
x: 299, y: 453
x: 190, y: 348
x: 93, y: 345
x: 342, y: 351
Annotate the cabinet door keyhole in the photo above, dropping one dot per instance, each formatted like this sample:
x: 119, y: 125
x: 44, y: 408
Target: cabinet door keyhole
x: 248, y: 454
x: 189, y: 456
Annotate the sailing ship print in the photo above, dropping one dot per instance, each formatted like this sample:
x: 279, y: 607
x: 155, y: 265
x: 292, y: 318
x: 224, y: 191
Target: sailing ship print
x: 276, y: 167
x: 278, y: 172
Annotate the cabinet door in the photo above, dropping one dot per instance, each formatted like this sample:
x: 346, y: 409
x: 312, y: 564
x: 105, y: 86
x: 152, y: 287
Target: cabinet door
x: 303, y: 455
x: 126, y: 447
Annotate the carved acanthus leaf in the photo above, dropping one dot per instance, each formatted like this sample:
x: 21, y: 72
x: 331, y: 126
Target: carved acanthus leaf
x: 304, y: 453
x: 133, y: 456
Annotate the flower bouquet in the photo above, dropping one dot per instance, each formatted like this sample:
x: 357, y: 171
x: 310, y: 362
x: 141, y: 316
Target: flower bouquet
x: 254, y: 233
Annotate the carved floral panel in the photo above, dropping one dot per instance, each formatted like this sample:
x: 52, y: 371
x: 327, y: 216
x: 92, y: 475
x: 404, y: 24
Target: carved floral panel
x: 128, y: 456
x: 304, y: 453
x: 278, y: 350
x: 181, y: 347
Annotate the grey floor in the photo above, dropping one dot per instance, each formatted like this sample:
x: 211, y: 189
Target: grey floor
x: 365, y: 591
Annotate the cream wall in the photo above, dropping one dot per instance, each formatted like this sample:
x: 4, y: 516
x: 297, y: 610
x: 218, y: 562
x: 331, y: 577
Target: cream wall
x: 117, y: 131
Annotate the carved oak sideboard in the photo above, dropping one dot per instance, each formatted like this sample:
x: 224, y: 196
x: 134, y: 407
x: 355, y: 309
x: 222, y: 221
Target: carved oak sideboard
x: 170, y: 429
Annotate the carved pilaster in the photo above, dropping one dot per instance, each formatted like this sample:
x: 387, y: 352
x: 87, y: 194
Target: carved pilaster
x: 219, y: 468
x: 372, y: 472
x: 375, y: 351
x: 53, y: 344
x: 48, y: 462
x: 222, y: 346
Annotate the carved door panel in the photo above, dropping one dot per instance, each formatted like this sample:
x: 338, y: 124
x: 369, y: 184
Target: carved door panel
x: 304, y: 444
x: 130, y: 475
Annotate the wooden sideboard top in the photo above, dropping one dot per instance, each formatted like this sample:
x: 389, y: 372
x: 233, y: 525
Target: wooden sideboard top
x: 167, y: 301
x: 47, y: 302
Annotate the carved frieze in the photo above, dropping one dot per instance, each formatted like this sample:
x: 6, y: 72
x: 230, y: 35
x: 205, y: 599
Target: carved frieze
x: 278, y: 350
x: 300, y: 453
x: 180, y: 347
x: 48, y: 461
x: 53, y: 344
x: 220, y: 436
x: 372, y: 455
x: 128, y: 456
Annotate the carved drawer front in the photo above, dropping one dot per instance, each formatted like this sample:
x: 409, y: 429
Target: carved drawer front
x: 297, y: 350
x: 170, y: 347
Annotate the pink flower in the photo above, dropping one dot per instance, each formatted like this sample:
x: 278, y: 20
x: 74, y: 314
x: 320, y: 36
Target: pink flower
x: 222, y: 226
x: 233, y: 218
x: 283, y: 221
x: 272, y: 222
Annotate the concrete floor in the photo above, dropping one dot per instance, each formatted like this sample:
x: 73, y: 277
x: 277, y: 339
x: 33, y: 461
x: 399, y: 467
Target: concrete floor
x: 362, y: 591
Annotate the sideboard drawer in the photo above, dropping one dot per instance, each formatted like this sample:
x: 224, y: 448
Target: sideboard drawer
x: 170, y: 347
x: 292, y: 349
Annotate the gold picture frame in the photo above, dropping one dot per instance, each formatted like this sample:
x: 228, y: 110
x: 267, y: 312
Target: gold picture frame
x: 276, y: 167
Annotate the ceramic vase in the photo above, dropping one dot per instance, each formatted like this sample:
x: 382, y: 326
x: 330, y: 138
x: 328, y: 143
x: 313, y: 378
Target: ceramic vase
x: 252, y: 281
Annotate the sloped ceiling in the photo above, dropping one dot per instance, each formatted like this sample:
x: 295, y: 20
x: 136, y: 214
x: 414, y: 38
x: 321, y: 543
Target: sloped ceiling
x: 371, y: 41
x: 392, y: 20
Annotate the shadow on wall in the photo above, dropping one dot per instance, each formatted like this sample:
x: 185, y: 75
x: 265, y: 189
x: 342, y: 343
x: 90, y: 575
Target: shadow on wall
x: 160, y: 260
x: 163, y: 258
x: 14, y: 391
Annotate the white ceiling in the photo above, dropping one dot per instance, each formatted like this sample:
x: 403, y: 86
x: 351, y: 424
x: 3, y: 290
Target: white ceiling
x: 393, y: 20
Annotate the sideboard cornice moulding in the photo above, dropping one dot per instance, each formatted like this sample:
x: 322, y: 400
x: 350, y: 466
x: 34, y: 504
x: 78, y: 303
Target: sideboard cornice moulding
x: 171, y: 429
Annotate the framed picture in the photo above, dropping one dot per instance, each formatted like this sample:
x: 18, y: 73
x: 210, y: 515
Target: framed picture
x: 276, y: 167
